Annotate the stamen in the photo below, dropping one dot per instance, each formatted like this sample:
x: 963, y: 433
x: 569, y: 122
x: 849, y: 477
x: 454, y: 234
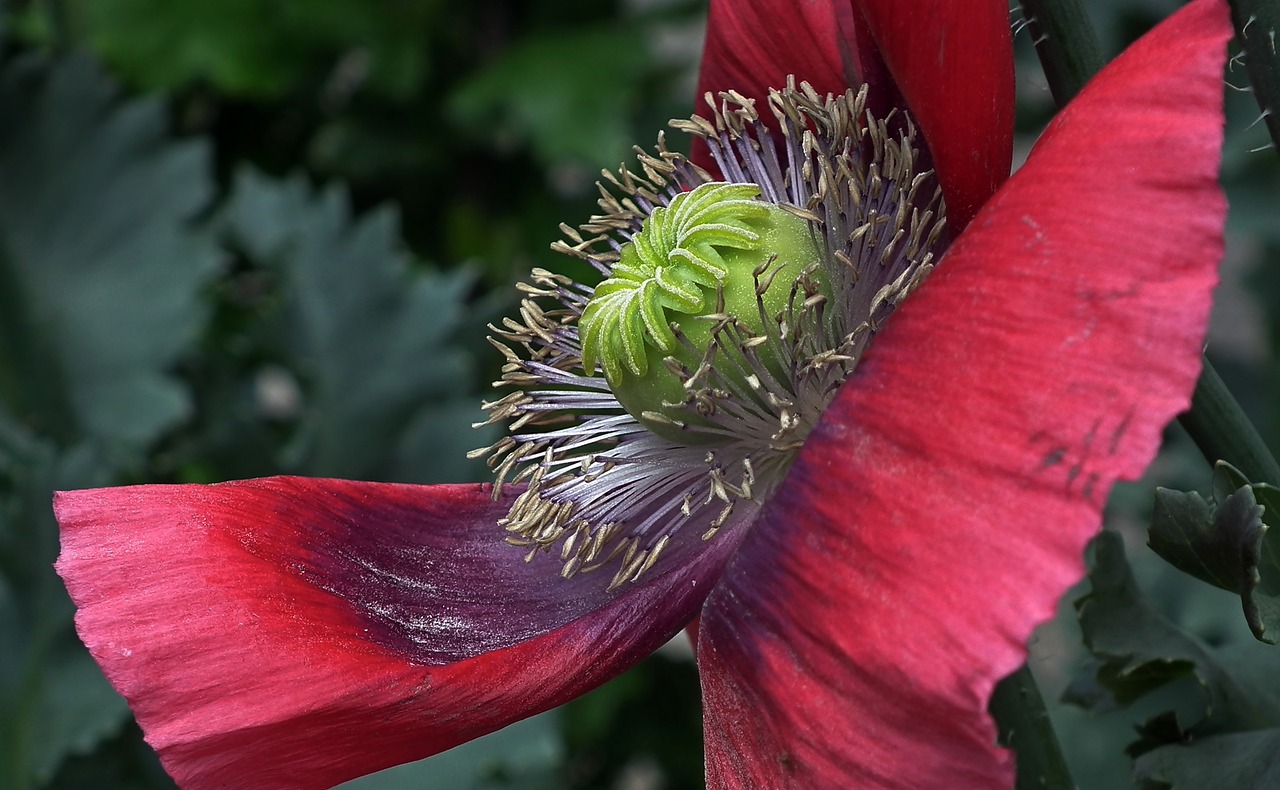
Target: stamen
x: 618, y: 486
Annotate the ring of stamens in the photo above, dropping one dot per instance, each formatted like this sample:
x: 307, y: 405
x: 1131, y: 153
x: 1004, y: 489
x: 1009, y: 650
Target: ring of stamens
x: 600, y: 485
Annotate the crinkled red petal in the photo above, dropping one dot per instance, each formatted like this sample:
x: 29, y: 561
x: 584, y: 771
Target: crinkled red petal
x: 940, y: 508
x: 295, y: 633
x: 952, y: 62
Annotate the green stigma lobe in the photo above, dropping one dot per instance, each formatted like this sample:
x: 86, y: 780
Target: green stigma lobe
x: 707, y: 243
x: 673, y: 265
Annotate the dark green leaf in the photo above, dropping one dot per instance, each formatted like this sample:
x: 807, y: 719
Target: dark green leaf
x: 1265, y: 597
x: 77, y: 709
x: 647, y: 713
x: 1240, y: 761
x: 1140, y: 651
x: 54, y: 701
x: 122, y: 762
x: 1219, y: 545
x: 1227, y: 543
x: 1158, y: 731
x: 385, y: 390
x: 100, y: 266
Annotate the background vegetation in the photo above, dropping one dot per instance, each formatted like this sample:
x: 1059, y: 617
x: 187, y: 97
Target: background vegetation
x: 246, y: 237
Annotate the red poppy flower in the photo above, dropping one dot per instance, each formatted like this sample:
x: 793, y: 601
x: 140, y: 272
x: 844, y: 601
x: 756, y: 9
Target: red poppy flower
x: 293, y: 632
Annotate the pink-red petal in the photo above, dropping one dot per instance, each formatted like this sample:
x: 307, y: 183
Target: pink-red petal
x: 952, y: 62
x: 295, y: 633
x: 753, y: 45
x: 940, y: 508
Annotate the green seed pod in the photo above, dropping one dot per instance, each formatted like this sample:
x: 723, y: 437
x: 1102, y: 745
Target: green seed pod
x: 659, y: 313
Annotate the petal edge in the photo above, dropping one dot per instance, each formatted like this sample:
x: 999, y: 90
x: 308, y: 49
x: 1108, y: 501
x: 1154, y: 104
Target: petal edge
x: 258, y: 636
x: 987, y: 423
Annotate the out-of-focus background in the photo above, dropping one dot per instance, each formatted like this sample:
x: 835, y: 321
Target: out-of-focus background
x: 251, y: 237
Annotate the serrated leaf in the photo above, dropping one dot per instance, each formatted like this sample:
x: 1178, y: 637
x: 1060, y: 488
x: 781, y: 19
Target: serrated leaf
x: 1266, y: 593
x: 54, y: 701
x: 1216, y: 544
x: 1157, y: 731
x: 1240, y: 761
x: 101, y: 267
x: 1227, y: 543
x: 1140, y: 650
x: 77, y: 709
x: 370, y: 337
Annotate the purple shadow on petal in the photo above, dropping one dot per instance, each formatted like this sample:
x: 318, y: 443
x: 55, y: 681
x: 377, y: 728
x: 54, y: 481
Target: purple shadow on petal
x: 434, y: 579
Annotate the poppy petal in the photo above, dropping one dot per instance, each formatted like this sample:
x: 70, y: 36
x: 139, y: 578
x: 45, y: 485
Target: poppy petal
x: 949, y: 62
x: 952, y: 62
x: 941, y: 506
x: 753, y: 45
x: 295, y: 633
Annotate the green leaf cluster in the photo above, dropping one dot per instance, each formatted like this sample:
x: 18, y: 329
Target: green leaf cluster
x: 258, y: 49
x: 1227, y: 542
x: 1217, y: 719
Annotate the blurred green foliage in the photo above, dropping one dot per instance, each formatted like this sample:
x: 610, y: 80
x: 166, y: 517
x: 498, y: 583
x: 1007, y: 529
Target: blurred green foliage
x: 247, y: 237
x: 258, y: 50
x: 94, y: 210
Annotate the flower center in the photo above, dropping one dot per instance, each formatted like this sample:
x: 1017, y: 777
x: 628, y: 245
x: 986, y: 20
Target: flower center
x: 648, y: 407
x: 694, y: 260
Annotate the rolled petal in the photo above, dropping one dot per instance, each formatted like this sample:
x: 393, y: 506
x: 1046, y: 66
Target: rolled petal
x: 295, y: 633
x: 941, y: 506
x: 952, y: 62
x: 753, y: 45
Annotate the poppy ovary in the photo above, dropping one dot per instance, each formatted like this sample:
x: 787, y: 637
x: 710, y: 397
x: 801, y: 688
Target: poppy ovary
x: 716, y: 263
x: 648, y: 413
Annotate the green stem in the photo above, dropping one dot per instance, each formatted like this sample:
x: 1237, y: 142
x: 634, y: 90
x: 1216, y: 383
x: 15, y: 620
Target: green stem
x: 1257, y: 25
x: 1065, y: 42
x: 1222, y: 431
x: 1025, y: 727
